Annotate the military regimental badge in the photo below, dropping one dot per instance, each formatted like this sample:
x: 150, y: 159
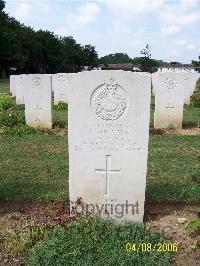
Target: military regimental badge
x: 109, y: 101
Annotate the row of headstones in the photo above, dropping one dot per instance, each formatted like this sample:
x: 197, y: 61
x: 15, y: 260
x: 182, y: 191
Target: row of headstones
x: 171, y: 91
x: 108, y: 132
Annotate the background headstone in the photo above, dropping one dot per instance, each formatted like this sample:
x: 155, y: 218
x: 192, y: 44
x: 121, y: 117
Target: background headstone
x: 59, y: 87
x: 108, y: 131
x: 38, y: 100
x: 12, y: 85
x: 20, y: 88
x: 169, y: 99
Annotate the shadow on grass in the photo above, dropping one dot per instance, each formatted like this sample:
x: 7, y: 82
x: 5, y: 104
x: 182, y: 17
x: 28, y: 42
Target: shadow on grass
x: 168, y: 193
x: 30, y: 192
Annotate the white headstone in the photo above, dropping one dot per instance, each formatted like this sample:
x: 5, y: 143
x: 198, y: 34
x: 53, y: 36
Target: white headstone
x: 153, y: 77
x: 108, y: 131
x: 59, y: 87
x: 12, y: 85
x: 169, y: 99
x: 188, y: 86
x: 38, y: 101
x: 19, y: 88
x: 195, y: 79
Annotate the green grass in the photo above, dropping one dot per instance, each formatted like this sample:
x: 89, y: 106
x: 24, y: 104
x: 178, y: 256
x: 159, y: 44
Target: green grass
x: 60, y: 118
x: 93, y: 241
x: 191, y: 117
x: 4, y: 86
x: 35, y: 168
x: 172, y: 160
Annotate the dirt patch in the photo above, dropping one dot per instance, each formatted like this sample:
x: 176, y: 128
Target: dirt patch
x: 162, y: 218
x: 185, y: 131
x: 171, y: 221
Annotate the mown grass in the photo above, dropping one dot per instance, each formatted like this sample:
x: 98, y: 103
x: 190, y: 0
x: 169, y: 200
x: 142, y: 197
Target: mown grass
x: 4, y: 86
x: 35, y: 167
x: 172, y: 160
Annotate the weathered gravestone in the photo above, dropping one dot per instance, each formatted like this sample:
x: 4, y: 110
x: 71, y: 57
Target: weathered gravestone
x: 195, y: 78
x: 191, y: 79
x: 108, y: 131
x: 20, y: 88
x: 38, y: 101
x: 169, y: 99
x: 188, y: 88
x: 12, y: 85
x: 59, y: 87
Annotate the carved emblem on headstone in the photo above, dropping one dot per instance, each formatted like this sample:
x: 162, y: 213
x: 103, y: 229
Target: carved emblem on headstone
x: 109, y: 101
x: 171, y: 83
x: 61, y: 78
x: 36, y: 82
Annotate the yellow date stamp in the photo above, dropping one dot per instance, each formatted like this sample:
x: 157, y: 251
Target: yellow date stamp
x: 149, y: 247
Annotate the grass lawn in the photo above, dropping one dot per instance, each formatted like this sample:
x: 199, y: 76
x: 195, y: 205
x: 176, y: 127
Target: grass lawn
x: 60, y: 118
x: 35, y: 168
x: 4, y: 86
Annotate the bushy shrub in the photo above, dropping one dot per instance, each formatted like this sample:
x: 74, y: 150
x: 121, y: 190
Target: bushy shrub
x: 6, y: 102
x: 93, y: 241
x: 19, y: 241
x: 195, y: 101
x: 20, y: 130
x: 59, y: 124
x: 12, y: 118
x: 61, y: 106
x: 194, y: 226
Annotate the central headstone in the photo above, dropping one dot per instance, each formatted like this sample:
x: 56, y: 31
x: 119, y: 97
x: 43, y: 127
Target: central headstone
x: 108, y: 121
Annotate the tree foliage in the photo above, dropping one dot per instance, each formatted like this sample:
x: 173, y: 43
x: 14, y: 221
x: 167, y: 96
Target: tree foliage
x: 24, y: 50
x: 197, y: 64
x: 117, y: 58
x: 2, y: 5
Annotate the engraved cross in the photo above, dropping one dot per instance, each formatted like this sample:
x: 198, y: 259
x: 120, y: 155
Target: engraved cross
x: 38, y: 108
x: 61, y: 95
x: 107, y: 171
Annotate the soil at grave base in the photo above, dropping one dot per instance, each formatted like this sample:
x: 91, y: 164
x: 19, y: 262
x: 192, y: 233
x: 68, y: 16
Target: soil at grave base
x: 183, y: 132
x: 162, y: 218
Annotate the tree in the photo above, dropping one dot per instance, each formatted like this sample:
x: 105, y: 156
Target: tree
x: 146, y: 65
x: 30, y: 51
x: 117, y: 58
x: 153, y: 64
x: 197, y: 64
x: 72, y: 55
x: 2, y: 5
x: 90, y: 56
